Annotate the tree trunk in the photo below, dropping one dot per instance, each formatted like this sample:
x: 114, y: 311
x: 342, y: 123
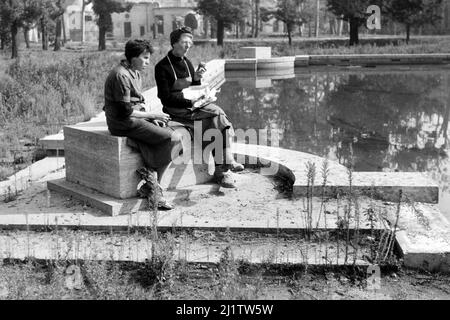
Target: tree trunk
x: 58, y: 34
x: 44, y: 34
x: 14, y: 42
x: 408, y: 31
x: 341, y: 26
x: 26, y: 33
x: 354, y: 40
x: 253, y: 18
x: 317, y: 17
x: 205, y: 27
x: 83, y: 9
x: 257, y: 23
x: 220, y: 32
x: 101, y: 38
x: 289, y: 32
x: 63, y: 30
x: 242, y: 29
x: 237, y: 30
x: 2, y: 43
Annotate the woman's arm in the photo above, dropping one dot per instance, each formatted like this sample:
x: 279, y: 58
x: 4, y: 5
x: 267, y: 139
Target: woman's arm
x: 168, y: 98
x: 151, y: 115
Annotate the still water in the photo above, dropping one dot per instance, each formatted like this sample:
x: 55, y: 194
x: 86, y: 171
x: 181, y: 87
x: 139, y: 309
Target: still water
x: 389, y: 118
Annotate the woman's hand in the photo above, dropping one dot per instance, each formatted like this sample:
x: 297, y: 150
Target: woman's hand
x: 159, y: 123
x: 163, y: 117
x: 198, y: 75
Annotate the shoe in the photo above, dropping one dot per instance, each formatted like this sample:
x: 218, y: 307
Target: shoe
x: 163, y: 204
x: 225, y: 179
x: 236, y: 166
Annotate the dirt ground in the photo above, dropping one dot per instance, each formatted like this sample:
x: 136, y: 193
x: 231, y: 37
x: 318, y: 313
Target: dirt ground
x: 400, y: 285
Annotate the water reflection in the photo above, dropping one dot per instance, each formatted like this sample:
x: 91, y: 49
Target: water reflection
x: 395, y: 120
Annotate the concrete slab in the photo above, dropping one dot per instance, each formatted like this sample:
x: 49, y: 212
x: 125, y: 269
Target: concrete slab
x: 240, y: 64
x: 52, y: 142
x: 423, y: 237
x: 383, y: 185
x: 255, y: 52
x: 415, y: 186
x: 199, y: 248
x: 24, y: 178
x: 109, y: 205
x: 301, y: 61
x: 279, y: 63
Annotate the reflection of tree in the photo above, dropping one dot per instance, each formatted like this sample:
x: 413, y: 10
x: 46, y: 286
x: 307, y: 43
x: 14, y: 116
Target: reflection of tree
x: 389, y: 118
x: 369, y: 108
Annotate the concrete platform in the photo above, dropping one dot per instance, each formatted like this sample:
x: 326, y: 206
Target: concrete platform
x: 382, y: 185
x: 203, y: 248
x: 379, y: 59
x: 246, y: 209
x: 248, y: 65
x: 109, y: 205
x: 21, y: 180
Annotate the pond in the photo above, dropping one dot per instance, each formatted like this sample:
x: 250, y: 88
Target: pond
x: 385, y: 118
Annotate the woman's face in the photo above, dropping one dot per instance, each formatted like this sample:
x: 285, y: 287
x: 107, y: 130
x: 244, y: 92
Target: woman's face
x: 181, y: 47
x: 142, y: 62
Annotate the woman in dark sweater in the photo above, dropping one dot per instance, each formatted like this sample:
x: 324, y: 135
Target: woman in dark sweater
x: 126, y: 113
x: 174, y: 73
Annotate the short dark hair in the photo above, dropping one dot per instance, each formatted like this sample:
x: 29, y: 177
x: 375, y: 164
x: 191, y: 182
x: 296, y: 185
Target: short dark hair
x: 176, y: 34
x: 134, y: 48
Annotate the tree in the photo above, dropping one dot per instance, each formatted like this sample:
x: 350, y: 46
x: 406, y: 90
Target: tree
x: 4, y: 33
x: 49, y: 12
x: 290, y: 12
x: 103, y: 9
x: 191, y: 21
x: 84, y: 3
x: 14, y: 14
x: 414, y: 12
x: 225, y: 12
x: 354, y: 12
x: 57, y: 15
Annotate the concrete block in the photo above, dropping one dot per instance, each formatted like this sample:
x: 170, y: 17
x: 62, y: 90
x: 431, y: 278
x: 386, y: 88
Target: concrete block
x: 52, y: 142
x: 107, y: 204
x: 281, y: 63
x: 255, y: 52
x: 98, y: 160
x: 240, y: 64
x: 385, y: 186
x: 301, y: 61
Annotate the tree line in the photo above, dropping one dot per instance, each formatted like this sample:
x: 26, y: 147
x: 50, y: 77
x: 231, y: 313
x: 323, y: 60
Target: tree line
x: 296, y: 13
x: 47, y: 15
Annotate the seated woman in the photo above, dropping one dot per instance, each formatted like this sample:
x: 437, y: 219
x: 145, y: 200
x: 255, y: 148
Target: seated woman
x: 126, y: 116
x: 174, y: 73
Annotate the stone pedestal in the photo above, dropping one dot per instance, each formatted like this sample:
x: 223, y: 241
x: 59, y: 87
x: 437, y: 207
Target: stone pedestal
x: 255, y: 52
x: 100, y: 161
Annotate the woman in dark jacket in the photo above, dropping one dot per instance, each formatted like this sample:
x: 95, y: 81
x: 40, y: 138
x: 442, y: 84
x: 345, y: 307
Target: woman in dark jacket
x: 174, y: 73
x: 126, y: 113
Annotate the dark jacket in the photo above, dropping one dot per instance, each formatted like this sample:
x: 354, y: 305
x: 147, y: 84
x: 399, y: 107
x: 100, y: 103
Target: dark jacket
x: 165, y: 79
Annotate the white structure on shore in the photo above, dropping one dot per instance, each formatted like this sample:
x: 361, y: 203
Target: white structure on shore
x: 148, y: 19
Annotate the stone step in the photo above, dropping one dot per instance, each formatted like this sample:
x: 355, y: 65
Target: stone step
x: 415, y: 186
x: 24, y: 178
x: 203, y: 247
